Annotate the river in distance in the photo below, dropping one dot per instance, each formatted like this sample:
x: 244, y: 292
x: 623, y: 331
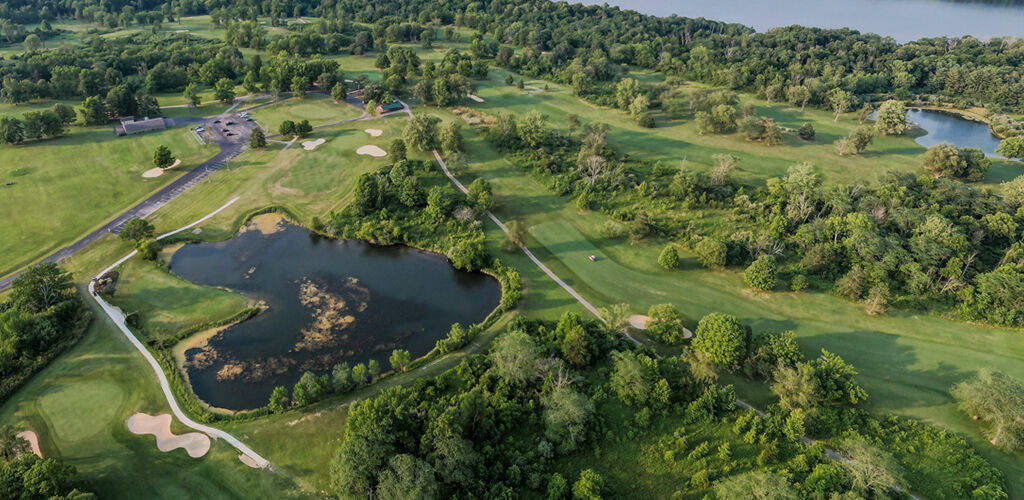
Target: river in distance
x: 904, y: 20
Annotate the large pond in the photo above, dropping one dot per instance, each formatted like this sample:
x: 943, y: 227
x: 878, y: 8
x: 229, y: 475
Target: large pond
x: 329, y: 301
x: 904, y: 20
x: 946, y: 127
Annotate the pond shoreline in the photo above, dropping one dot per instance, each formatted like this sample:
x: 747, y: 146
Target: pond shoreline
x: 178, y: 349
x: 962, y: 114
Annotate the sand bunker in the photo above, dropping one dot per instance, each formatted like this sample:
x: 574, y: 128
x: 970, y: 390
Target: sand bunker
x: 157, y: 172
x: 639, y: 321
x: 311, y: 145
x: 371, y: 150
x: 195, y: 443
x: 374, y: 132
x: 247, y: 460
x: 475, y: 98
x: 533, y: 90
x: 33, y: 441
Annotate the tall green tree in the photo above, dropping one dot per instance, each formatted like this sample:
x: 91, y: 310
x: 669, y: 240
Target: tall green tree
x: 224, y: 91
x: 163, y: 157
x: 723, y: 338
x: 892, y: 118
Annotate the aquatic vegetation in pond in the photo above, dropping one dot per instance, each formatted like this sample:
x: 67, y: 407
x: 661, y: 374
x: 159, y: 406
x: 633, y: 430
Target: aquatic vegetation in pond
x: 328, y: 301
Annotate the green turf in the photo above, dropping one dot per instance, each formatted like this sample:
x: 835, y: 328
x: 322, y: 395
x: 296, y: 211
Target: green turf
x: 65, y: 187
x: 166, y: 303
x: 317, y: 108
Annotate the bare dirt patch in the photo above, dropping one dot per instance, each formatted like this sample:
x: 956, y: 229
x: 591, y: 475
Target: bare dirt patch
x: 265, y: 224
x: 195, y: 443
x: 33, y: 441
x: 371, y: 150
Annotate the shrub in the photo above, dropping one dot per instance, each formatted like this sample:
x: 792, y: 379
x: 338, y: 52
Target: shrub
x: 799, y: 283
x: 761, y: 274
x: 669, y: 258
x: 806, y: 132
x: 711, y: 252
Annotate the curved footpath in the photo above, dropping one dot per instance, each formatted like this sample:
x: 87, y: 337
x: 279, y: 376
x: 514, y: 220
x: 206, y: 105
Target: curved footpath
x: 118, y: 318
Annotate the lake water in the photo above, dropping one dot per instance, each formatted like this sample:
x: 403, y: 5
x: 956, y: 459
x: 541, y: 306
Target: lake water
x: 329, y: 301
x: 904, y: 20
x: 943, y: 127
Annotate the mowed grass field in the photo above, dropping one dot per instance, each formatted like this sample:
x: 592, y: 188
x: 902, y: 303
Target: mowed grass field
x: 65, y: 187
x: 319, y: 109
x: 79, y: 405
x: 165, y: 303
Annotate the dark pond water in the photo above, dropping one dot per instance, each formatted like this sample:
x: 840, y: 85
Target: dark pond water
x: 944, y: 127
x: 904, y: 20
x: 329, y: 301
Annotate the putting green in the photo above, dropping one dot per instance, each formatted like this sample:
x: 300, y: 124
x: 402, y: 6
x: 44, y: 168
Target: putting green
x: 61, y: 407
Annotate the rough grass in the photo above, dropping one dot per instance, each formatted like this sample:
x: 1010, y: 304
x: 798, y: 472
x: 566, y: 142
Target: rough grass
x: 65, y: 187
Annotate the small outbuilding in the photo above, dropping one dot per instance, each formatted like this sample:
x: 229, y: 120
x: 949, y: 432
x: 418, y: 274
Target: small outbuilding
x: 129, y: 125
x: 389, y: 107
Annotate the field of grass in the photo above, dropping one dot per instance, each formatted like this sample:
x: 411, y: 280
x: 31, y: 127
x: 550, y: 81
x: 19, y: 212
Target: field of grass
x: 65, y: 187
x: 78, y: 406
x: 319, y: 109
x: 165, y: 303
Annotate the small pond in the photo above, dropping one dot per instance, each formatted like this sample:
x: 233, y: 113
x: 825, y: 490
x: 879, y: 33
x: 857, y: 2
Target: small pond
x: 329, y: 301
x: 947, y: 127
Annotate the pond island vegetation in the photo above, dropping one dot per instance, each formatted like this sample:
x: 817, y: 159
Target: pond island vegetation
x: 727, y: 268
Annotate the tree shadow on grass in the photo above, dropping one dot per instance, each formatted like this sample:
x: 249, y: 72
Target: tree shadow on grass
x: 888, y: 369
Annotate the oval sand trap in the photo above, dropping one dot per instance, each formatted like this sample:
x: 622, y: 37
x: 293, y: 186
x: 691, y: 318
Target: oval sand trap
x: 639, y: 321
x: 157, y: 172
x: 311, y: 145
x: 33, y: 441
x: 371, y: 150
x: 195, y: 443
x: 374, y: 132
x: 475, y: 98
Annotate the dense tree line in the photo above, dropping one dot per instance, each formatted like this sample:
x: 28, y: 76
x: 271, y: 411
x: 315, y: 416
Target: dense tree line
x: 550, y: 396
x: 43, y: 316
